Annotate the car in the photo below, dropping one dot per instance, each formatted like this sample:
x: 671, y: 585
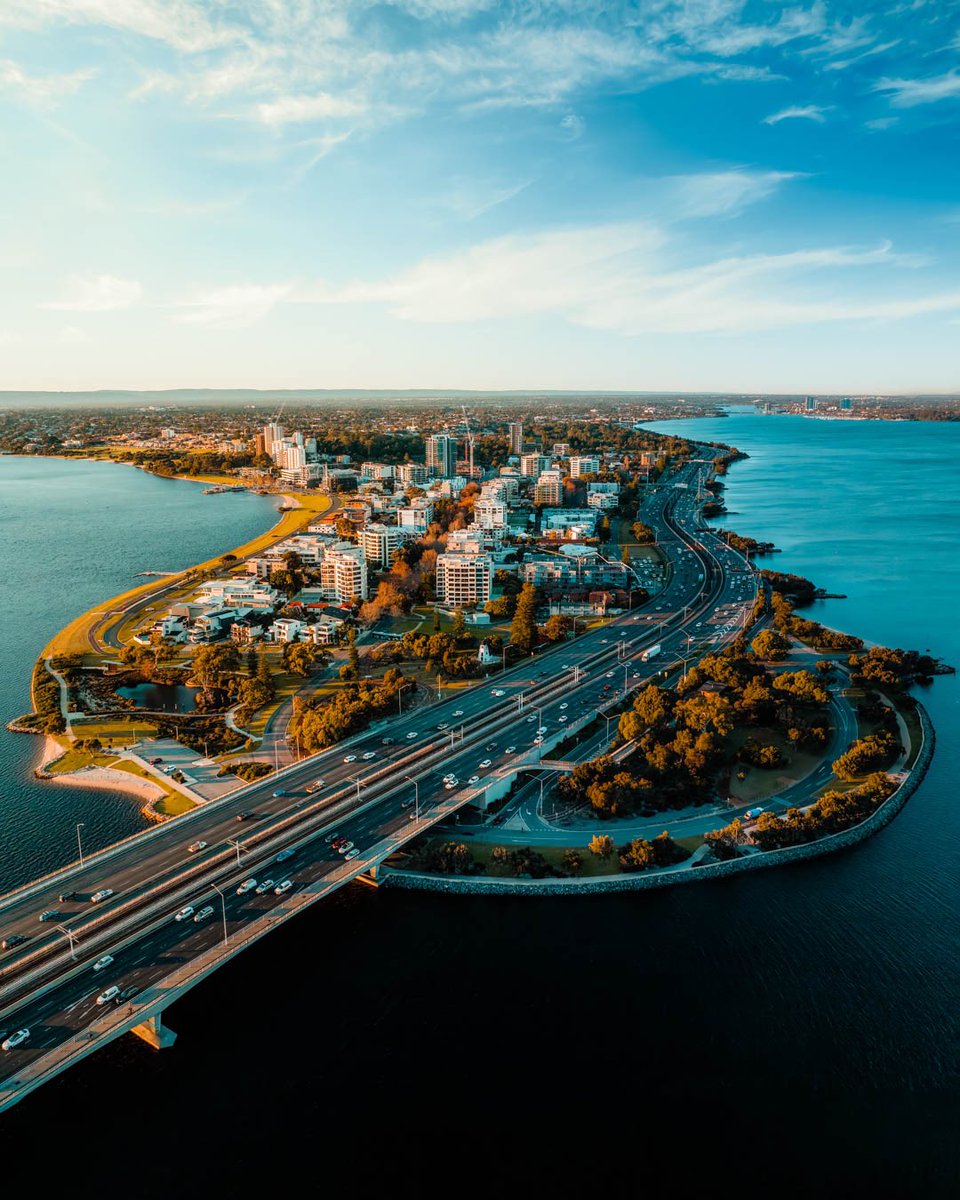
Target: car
x: 128, y: 993
x: 353, y: 854
x: 50, y: 915
x: 538, y: 741
x: 203, y: 915
x: 279, y: 792
x: 474, y: 779
x: 406, y: 803
x: 368, y: 755
x: 387, y: 741
x: 105, y: 961
x: 606, y: 687
x: 564, y: 705
x: 444, y: 725
x: 451, y: 784
x: 486, y: 763
x: 344, y: 846
x: 565, y: 667
x: 350, y: 758
x: 66, y: 897
x: 498, y: 692
x: 103, y: 894
x: 284, y: 855
x: 752, y: 813
x: 510, y: 750
x: 313, y: 787
x: 458, y: 712
x: 184, y: 913
x: 447, y: 778
x: 533, y: 718
x: 283, y: 887
x: 337, y: 841
x: 603, y: 641
x: 196, y: 847
x: 264, y: 887
x: 246, y: 886
x: 15, y: 1039
x: 155, y: 761
x: 105, y: 997
x: 412, y: 733
x: 490, y: 746
x: 563, y: 718
x: 170, y: 770
x: 623, y: 633
x: 609, y: 675
x: 332, y: 836
x: 243, y: 816
x: 14, y: 939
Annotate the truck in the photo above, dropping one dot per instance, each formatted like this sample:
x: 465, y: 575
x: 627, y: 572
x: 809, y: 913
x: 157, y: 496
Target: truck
x: 652, y: 652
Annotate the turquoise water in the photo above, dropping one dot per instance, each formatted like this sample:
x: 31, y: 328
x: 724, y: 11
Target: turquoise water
x: 73, y: 534
x: 788, y: 1033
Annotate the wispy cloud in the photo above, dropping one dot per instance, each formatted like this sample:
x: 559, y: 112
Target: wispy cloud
x: 41, y: 89
x: 101, y: 293
x: 906, y: 93
x: 231, y: 307
x: 797, y: 112
x: 182, y: 24
x: 723, y: 193
x: 286, y: 110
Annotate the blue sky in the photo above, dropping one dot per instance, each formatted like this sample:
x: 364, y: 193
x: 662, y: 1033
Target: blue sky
x: 461, y: 193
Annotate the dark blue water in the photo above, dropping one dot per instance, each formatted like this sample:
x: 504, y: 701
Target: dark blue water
x: 161, y: 697
x: 789, y: 1033
x: 73, y: 534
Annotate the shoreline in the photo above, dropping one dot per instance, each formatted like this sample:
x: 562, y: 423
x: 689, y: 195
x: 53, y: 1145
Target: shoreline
x: 103, y: 778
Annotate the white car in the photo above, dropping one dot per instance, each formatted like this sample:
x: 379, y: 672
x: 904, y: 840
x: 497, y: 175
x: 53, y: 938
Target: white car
x: 246, y: 886
x: 103, y: 894
x: 451, y: 784
x: 15, y: 1039
x: 344, y: 847
x: 196, y: 847
x: 542, y: 730
x: 486, y: 763
x: 510, y: 750
x: 264, y: 887
x: 350, y: 758
x: 603, y: 641
x: 564, y: 705
x: 561, y: 719
x: 368, y: 755
x: 412, y: 733
x: 110, y: 994
x: 538, y: 741
x: 103, y: 962
x: 186, y: 911
x: 498, y: 692
x: 531, y: 718
x: 458, y: 712
x: 283, y: 887
x: 609, y: 674
x: 444, y: 725
x: 353, y: 854
x: 474, y: 779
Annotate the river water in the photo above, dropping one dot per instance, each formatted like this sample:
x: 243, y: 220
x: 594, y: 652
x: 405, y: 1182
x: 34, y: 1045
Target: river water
x: 791, y: 1032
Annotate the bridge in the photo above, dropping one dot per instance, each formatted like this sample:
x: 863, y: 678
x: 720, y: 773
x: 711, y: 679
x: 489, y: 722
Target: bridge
x: 379, y: 790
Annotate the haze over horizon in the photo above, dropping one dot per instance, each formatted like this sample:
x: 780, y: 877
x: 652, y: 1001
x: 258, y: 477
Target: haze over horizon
x: 710, y: 196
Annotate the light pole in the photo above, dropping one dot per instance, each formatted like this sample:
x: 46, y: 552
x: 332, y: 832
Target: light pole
x: 68, y: 933
x: 416, y: 797
x: 626, y: 668
x: 235, y: 843
x: 79, y: 843
x: 608, y: 717
x: 223, y: 902
x: 356, y: 779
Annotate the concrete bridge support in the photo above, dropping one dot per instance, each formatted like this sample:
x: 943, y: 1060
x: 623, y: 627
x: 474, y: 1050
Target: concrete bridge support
x: 155, y: 1033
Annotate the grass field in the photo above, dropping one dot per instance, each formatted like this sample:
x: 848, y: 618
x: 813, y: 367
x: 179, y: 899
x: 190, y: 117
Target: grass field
x: 763, y: 782
x: 115, y: 729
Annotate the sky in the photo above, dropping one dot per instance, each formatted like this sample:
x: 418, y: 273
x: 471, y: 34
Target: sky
x: 706, y: 195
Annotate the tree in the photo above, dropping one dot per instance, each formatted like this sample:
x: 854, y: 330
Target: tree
x: 250, y: 661
x: 642, y: 533
x: 601, y: 845
x: 264, y: 674
x: 572, y: 861
x: 459, y: 632
x: 353, y: 654
x: 436, y: 620
x: 771, y: 644
x: 557, y: 627
x: 523, y: 630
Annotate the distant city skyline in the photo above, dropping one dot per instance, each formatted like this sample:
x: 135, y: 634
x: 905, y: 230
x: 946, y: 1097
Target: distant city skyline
x: 711, y: 196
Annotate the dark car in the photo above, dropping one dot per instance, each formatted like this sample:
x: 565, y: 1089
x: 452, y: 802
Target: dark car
x: 66, y: 897
x: 15, y: 939
x: 50, y: 915
x: 127, y: 994
x: 154, y: 761
x: 244, y: 816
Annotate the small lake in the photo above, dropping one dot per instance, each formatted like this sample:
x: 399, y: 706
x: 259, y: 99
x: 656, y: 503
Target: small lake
x: 161, y: 697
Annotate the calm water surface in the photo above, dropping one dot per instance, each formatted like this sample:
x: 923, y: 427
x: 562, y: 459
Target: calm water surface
x: 791, y: 1033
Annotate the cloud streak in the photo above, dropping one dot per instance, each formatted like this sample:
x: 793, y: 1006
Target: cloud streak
x: 804, y: 112
x: 99, y: 293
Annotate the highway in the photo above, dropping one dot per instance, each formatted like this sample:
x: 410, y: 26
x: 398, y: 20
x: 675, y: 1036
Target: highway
x: 379, y: 789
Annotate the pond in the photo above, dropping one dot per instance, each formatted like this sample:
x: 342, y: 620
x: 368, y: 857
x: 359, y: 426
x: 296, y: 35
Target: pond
x: 161, y: 697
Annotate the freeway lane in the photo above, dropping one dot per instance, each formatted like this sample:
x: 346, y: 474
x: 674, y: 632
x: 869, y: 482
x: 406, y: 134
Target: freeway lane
x: 584, y: 675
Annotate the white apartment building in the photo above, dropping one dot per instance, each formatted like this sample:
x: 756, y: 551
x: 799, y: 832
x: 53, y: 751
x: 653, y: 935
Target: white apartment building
x: 602, y: 501
x: 607, y: 486
x: 561, y: 449
x: 584, y: 464
x: 381, y: 542
x: 463, y: 579
x: 416, y: 516
x: 235, y: 592
x: 489, y: 513
x: 549, y: 489
x: 343, y: 572
x: 515, y: 433
x: 286, y: 629
x: 376, y: 470
x: 301, y: 476
x: 442, y: 455
x: 412, y: 473
x: 532, y: 465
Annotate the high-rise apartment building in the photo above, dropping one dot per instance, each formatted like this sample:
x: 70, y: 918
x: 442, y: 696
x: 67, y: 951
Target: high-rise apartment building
x: 343, y: 572
x: 463, y: 579
x: 515, y: 433
x: 584, y: 464
x: 442, y: 455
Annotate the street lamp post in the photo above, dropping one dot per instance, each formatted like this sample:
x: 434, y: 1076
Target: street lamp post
x: 356, y: 779
x: 68, y: 933
x: 416, y: 797
x: 79, y: 843
x: 223, y: 902
x: 235, y: 843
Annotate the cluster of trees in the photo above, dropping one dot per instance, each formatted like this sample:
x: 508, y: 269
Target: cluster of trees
x: 760, y: 754
x: 248, y: 769
x: 46, y: 700
x: 866, y: 755
x: 833, y: 812
x: 610, y: 789
x: 440, y: 652
x: 258, y: 688
x: 641, y: 854
x: 795, y: 587
x: 519, y: 861
x: 204, y: 734
x: 747, y: 545
x: 443, y: 858
x: 319, y: 722
x: 812, y: 632
x: 892, y: 670
x: 505, y: 605
x: 770, y: 644
x: 185, y: 462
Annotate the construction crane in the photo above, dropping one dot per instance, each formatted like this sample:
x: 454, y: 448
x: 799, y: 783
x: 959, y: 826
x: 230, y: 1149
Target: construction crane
x: 466, y: 425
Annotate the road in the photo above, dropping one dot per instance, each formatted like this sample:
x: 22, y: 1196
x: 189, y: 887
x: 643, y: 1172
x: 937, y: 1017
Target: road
x: 379, y: 789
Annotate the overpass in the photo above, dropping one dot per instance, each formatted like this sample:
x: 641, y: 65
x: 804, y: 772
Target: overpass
x: 377, y: 791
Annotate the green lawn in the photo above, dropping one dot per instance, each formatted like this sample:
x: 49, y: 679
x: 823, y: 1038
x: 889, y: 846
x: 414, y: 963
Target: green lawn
x: 115, y: 728
x: 763, y: 782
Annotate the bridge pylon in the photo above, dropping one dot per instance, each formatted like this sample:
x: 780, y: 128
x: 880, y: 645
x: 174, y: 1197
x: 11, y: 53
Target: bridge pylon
x: 155, y: 1033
